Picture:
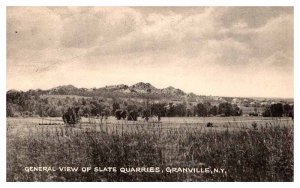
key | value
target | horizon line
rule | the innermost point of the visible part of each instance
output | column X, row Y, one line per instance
column 157, row 88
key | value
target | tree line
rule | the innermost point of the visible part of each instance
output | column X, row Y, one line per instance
column 34, row 104
column 279, row 110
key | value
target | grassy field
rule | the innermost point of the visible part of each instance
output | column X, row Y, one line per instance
column 264, row 153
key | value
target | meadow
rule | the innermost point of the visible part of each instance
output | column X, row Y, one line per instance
column 248, row 148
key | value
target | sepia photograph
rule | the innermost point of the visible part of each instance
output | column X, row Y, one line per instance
column 149, row 94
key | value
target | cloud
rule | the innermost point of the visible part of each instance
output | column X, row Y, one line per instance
column 95, row 27
column 162, row 32
column 232, row 42
column 32, row 28
column 275, row 36
column 210, row 44
column 254, row 17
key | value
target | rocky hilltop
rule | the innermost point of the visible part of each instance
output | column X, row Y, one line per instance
column 138, row 90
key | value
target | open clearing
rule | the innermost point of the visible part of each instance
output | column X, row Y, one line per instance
column 219, row 123
column 264, row 153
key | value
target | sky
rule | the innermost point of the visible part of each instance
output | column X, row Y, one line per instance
column 220, row 51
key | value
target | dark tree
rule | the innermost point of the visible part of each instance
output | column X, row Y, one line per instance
column 180, row 110
column 171, row 110
column 287, row 109
column 275, row 110
column 115, row 106
column 201, row 110
column 132, row 115
column 120, row 114
column 225, row 109
column 214, row 111
column 236, row 111
column 159, row 108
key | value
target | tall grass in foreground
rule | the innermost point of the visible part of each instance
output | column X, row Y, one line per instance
column 265, row 154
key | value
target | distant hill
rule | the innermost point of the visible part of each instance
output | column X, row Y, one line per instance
column 139, row 90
